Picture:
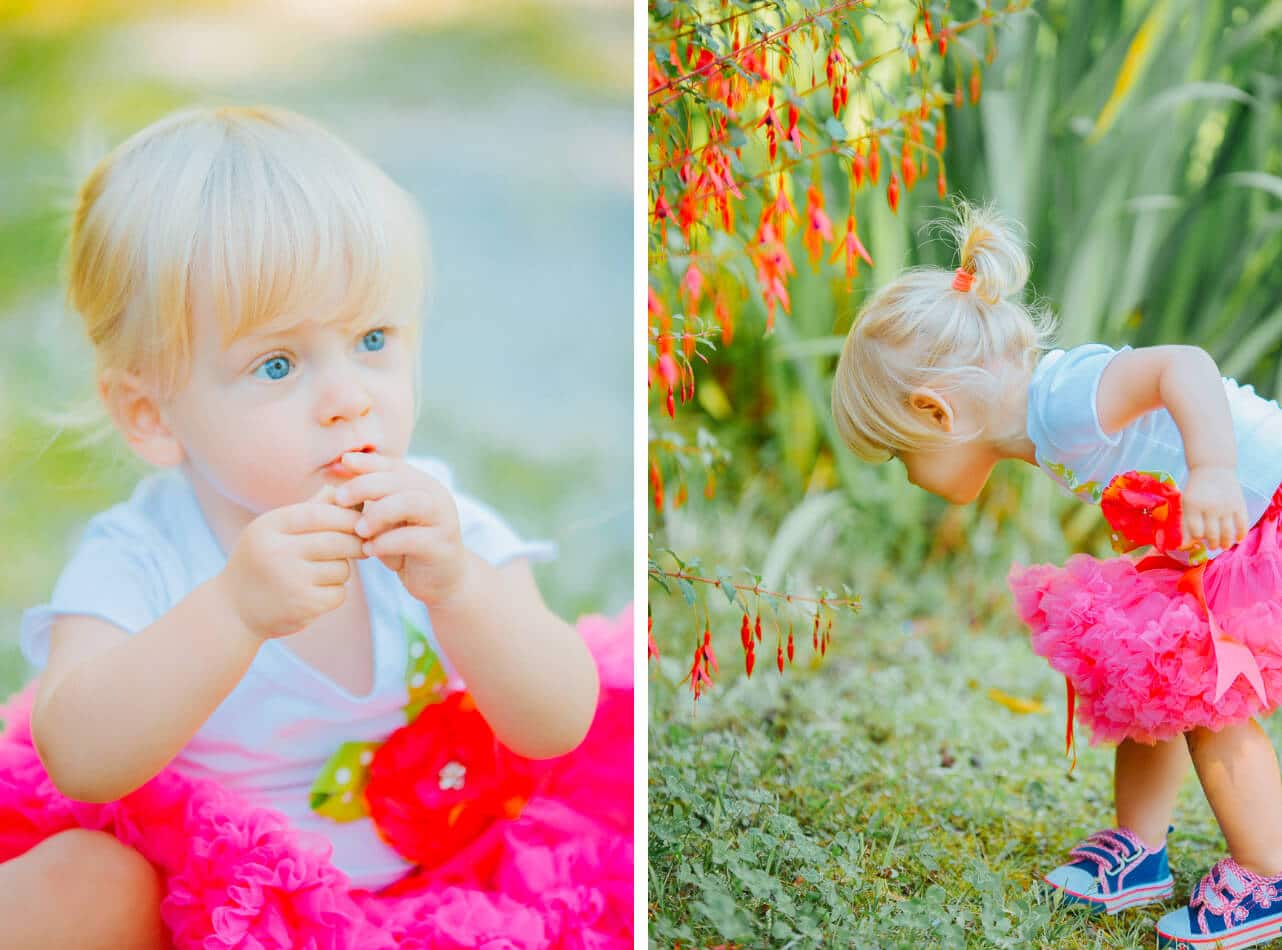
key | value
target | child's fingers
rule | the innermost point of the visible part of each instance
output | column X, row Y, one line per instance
column 1239, row 522
column 331, row 546
column 367, row 462
column 369, row 487
column 1215, row 533
column 413, row 540
column 407, row 507
column 1194, row 526
column 323, row 497
column 330, row 573
column 315, row 515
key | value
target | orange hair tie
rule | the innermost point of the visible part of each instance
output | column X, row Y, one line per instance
column 963, row 280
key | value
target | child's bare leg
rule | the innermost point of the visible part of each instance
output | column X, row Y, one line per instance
column 80, row 889
column 1239, row 773
column 1146, row 781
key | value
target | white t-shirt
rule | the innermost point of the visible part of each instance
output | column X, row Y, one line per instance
column 1063, row 423
column 272, row 735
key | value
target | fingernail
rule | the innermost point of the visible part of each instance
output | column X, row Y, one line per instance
column 361, row 526
column 341, row 496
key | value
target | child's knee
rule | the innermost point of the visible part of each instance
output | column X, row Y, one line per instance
column 84, row 889
column 101, row 877
column 99, row 860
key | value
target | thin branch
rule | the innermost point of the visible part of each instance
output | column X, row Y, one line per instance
column 757, row 589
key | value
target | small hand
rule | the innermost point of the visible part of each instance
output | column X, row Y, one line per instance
column 410, row 523
column 1214, row 510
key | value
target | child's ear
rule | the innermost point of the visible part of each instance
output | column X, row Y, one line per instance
column 932, row 406
column 137, row 414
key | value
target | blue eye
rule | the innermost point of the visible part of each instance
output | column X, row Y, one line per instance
column 277, row 367
column 375, row 339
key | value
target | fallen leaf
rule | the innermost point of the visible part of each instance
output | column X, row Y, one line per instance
column 1015, row 704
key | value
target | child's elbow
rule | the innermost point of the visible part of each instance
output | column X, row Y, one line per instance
column 69, row 771
column 565, row 731
column 71, row 780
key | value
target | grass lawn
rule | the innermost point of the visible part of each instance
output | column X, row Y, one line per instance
column 883, row 797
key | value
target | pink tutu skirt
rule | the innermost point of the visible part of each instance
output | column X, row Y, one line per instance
column 238, row 875
column 1138, row 651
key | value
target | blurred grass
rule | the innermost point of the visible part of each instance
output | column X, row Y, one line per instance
column 74, row 83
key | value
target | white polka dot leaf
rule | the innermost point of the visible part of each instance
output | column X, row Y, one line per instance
column 425, row 676
column 339, row 790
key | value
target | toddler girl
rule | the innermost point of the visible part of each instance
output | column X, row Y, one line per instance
column 1169, row 656
column 251, row 728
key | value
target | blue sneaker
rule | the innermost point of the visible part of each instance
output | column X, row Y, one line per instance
column 1231, row 908
column 1113, row 870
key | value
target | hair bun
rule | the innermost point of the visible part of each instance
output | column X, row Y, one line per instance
column 992, row 250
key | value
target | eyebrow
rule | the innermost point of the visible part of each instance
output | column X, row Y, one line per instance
column 264, row 335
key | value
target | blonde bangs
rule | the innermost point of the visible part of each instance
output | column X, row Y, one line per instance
column 263, row 213
column 297, row 229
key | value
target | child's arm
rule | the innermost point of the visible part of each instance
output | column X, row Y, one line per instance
column 530, row 673
column 1186, row 381
column 114, row 709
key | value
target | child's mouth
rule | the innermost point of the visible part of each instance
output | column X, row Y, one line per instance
column 339, row 470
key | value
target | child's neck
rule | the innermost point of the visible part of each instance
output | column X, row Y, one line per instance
column 225, row 518
column 1010, row 423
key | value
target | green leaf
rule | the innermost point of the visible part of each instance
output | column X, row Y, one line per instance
column 339, row 790
column 688, row 589
column 836, row 129
column 1259, row 180
column 727, row 588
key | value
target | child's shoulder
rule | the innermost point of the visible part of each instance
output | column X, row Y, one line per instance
column 149, row 519
column 1078, row 364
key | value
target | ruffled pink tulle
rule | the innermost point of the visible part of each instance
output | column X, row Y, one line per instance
column 1138, row 651
column 237, row 875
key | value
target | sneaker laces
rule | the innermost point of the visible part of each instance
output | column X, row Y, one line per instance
column 1225, row 888
column 1119, row 846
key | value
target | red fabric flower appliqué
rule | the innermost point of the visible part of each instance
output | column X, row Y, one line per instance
column 1143, row 508
column 437, row 783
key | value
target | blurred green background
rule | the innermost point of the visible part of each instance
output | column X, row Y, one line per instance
column 883, row 796
column 510, row 123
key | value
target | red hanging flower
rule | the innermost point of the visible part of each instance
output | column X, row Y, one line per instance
column 437, row 783
column 1143, row 508
column 852, row 248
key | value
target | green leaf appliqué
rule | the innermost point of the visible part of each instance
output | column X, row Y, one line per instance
column 339, row 791
column 425, row 676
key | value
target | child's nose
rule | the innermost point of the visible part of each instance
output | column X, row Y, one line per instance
column 345, row 398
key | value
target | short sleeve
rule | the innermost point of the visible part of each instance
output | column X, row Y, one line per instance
column 1063, row 415
column 111, row 576
column 484, row 531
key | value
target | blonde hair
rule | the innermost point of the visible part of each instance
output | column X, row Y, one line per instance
column 263, row 210
column 920, row 331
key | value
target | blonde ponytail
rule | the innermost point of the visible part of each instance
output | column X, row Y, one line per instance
column 923, row 330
